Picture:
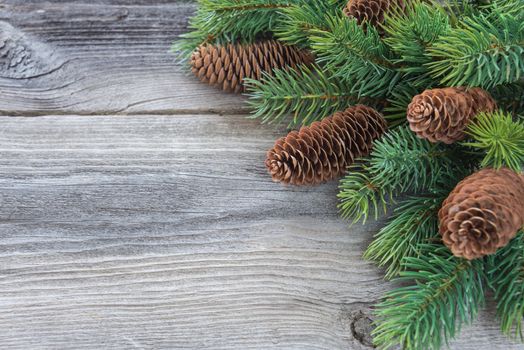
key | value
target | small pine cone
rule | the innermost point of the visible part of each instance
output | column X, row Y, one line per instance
column 483, row 213
column 324, row 150
column 227, row 66
column 443, row 114
column 371, row 11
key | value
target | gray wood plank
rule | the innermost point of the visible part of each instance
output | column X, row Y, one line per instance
column 99, row 57
column 165, row 232
column 159, row 231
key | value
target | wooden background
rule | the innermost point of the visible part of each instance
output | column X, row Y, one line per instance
column 135, row 210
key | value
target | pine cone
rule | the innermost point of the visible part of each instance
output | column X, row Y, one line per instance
column 324, row 150
column 443, row 114
column 371, row 11
column 227, row 66
column 483, row 213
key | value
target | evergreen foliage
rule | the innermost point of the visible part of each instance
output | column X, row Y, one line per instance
column 510, row 97
column 411, row 32
column 430, row 44
column 398, row 101
column 400, row 162
column 424, row 47
column 446, row 293
column 226, row 21
column 501, row 8
column 297, row 22
column 413, row 223
column 507, row 278
column 485, row 51
column 306, row 94
column 360, row 197
column 355, row 54
column 500, row 138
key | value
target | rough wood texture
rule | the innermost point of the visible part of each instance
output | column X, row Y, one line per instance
column 160, row 230
column 110, row 57
column 165, row 232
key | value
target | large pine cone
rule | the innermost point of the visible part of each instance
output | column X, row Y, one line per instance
column 443, row 114
column 371, row 11
column 483, row 213
column 227, row 66
column 324, row 150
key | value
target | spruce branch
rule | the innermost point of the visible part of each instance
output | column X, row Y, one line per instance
column 399, row 162
column 224, row 21
column 446, row 293
column 510, row 97
column 307, row 94
column 241, row 19
column 498, row 8
column 506, row 271
column 412, row 31
column 500, row 139
column 458, row 9
column 480, row 52
column 299, row 20
column 398, row 101
column 413, row 223
column 359, row 197
column 356, row 55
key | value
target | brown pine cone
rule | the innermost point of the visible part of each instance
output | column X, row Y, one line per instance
column 483, row 213
column 371, row 11
column 324, row 150
column 227, row 66
column 443, row 114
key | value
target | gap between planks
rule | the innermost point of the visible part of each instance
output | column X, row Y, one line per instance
column 174, row 113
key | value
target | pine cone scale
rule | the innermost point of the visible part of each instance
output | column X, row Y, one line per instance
column 228, row 66
column 324, row 150
column 483, row 213
column 443, row 114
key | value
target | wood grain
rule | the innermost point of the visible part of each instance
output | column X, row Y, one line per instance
column 165, row 232
column 87, row 57
column 135, row 211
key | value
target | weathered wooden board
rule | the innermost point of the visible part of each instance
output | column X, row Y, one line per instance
column 159, row 229
column 165, row 232
column 108, row 57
